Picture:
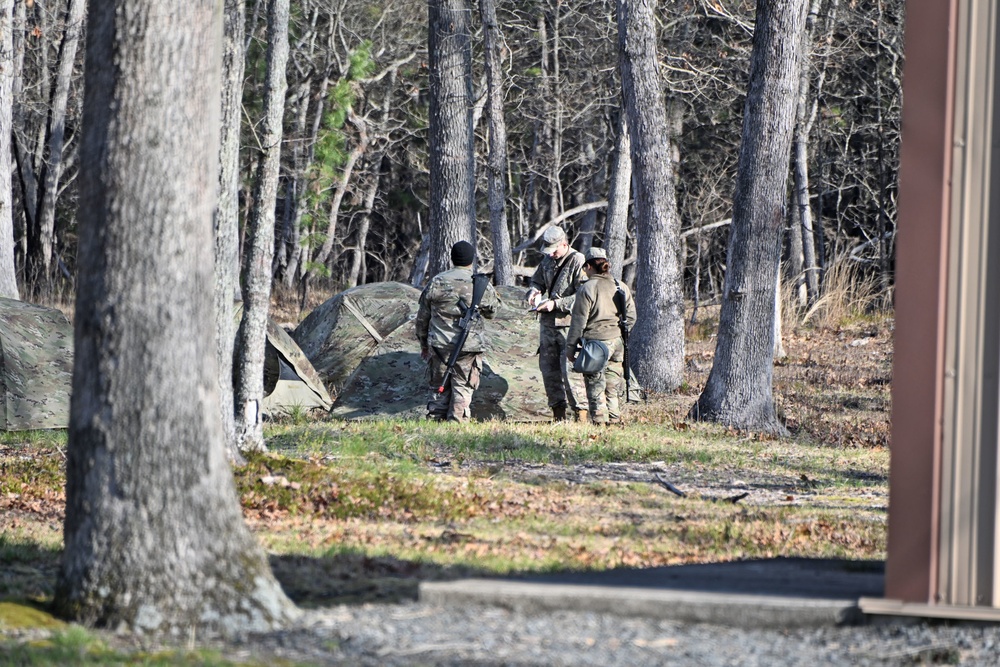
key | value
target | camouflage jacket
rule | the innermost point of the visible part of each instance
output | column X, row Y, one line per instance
column 594, row 312
column 439, row 311
column 558, row 280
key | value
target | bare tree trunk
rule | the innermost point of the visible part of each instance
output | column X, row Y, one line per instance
column 803, row 128
column 56, row 135
column 558, row 205
column 361, row 233
column 22, row 164
column 227, row 216
column 452, row 156
column 795, row 269
column 8, row 272
column 154, row 535
column 619, row 194
column 503, row 262
column 256, row 278
column 323, row 256
column 588, row 189
column 657, row 340
column 739, row 388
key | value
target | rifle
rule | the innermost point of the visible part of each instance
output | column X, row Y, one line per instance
column 470, row 313
column 619, row 300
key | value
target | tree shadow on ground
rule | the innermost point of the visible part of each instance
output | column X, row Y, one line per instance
column 353, row 577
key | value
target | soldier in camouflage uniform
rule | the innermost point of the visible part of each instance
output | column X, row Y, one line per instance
column 442, row 304
column 553, row 287
column 596, row 317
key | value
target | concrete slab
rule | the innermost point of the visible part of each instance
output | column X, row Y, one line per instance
column 780, row 592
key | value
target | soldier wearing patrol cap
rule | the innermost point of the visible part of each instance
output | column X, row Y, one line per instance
column 596, row 317
column 553, row 288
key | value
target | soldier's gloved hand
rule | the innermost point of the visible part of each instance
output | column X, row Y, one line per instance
column 546, row 306
column 534, row 297
column 425, row 353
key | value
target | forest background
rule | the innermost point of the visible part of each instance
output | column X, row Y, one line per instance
column 335, row 161
column 352, row 191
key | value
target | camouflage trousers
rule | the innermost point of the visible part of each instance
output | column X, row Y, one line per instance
column 455, row 402
column 605, row 389
column 561, row 386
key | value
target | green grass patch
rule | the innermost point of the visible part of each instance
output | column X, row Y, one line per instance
column 74, row 647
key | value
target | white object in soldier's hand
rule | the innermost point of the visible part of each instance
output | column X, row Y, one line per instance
column 534, row 298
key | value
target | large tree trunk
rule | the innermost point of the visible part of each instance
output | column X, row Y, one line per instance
column 452, row 157
column 227, row 216
column 56, row 138
column 657, row 341
column 503, row 262
column 256, row 275
column 739, row 391
column 619, row 194
column 154, row 536
column 8, row 274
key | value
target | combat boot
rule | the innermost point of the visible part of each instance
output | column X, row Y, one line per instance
column 582, row 415
column 558, row 413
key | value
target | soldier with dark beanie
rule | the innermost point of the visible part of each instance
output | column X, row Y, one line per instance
column 442, row 304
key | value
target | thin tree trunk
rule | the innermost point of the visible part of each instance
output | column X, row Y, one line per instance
column 56, row 136
column 8, row 273
column 154, row 537
column 503, row 265
column 795, row 270
column 658, row 337
column 256, row 276
column 587, row 194
column 22, row 164
column 739, row 388
column 326, row 250
column 619, row 194
column 361, row 234
column 227, row 216
column 555, row 174
column 803, row 128
column 452, row 156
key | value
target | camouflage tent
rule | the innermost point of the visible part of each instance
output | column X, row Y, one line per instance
column 290, row 381
column 392, row 380
column 337, row 335
column 36, row 366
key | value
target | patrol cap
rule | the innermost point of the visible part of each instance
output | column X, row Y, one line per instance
column 552, row 237
column 596, row 253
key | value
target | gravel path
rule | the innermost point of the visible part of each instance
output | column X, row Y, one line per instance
column 416, row 634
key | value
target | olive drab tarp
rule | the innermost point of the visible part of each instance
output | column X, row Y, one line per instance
column 36, row 366
column 346, row 328
column 290, row 381
column 392, row 380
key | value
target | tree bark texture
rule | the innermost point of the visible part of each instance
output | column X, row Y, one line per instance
column 739, row 387
column 452, row 156
column 154, row 536
column 503, row 263
column 619, row 194
column 657, row 341
column 256, row 276
column 8, row 272
column 56, row 136
column 227, row 215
